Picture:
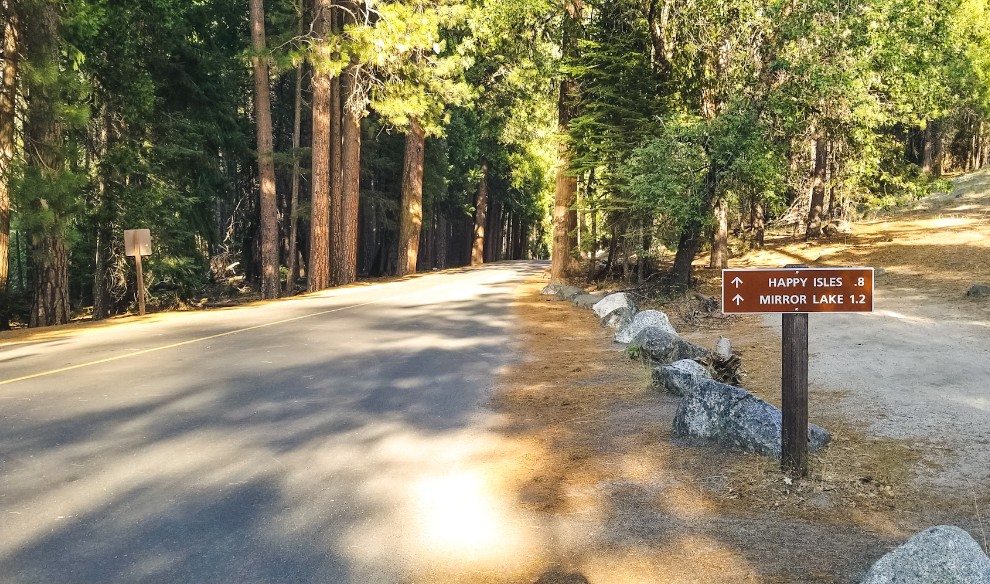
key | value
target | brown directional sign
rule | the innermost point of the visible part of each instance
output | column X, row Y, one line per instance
column 796, row 290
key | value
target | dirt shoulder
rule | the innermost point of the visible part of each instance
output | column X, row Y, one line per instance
column 903, row 391
column 630, row 503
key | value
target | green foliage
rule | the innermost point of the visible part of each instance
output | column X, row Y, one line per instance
column 417, row 63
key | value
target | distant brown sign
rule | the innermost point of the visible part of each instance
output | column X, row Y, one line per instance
column 796, row 290
column 137, row 242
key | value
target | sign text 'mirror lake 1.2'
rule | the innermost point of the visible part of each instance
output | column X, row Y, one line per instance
column 795, row 290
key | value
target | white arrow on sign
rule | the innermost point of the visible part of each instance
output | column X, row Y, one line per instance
column 737, row 280
column 738, row 299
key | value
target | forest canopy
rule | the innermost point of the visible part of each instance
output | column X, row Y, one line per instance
column 281, row 146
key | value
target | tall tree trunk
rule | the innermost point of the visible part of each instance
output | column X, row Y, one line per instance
column 687, row 248
column 491, row 230
column 720, row 236
column 104, row 227
column 928, row 148
column 411, row 209
column 344, row 253
column 293, row 214
column 48, row 249
column 833, row 190
column 443, row 242
column 101, row 276
column 270, row 281
column 593, row 227
column 593, row 255
column 759, row 223
column 817, row 190
column 318, row 266
column 938, row 151
column 564, row 216
column 336, row 165
column 8, row 97
column 480, row 217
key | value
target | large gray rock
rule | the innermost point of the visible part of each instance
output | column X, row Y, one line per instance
column 586, row 300
column 550, row 289
column 680, row 377
column 979, row 291
column 733, row 417
column 642, row 320
column 944, row 554
column 615, row 310
column 568, row 292
column 663, row 347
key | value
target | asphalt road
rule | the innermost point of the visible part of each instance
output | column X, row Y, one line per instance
column 324, row 439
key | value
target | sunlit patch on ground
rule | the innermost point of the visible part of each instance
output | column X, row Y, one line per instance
column 460, row 515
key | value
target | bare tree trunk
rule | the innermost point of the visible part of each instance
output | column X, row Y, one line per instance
column 50, row 302
column 443, row 242
column 318, row 266
column 411, row 209
column 833, row 190
column 720, row 236
column 480, row 217
column 104, row 229
column 8, row 100
column 687, row 248
column 937, row 150
column 593, row 255
column 564, row 217
column 270, row 281
column 817, row 190
column 344, row 264
column 928, row 152
column 759, row 223
column 292, row 253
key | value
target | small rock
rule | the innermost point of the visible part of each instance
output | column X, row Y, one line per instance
column 615, row 310
column 568, row 292
column 550, row 289
column 664, row 347
column 838, row 227
column 945, row 554
column 877, row 272
column 733, row 417
column 680, row 377
column 979, row 291
column 723, row 349
column 642, row 320
column 586, row 300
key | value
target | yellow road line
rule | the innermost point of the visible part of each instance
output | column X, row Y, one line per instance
column 218, row 335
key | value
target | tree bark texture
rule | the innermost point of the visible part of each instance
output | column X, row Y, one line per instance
column 48, row 249
column 816, row 209
column 480, row 217
column 293, row 212
column 270, row 281
column 344, row 256
column 8, row 96
column 687, row 248
column 562, row 261
column 318, row 266
column 411, row 210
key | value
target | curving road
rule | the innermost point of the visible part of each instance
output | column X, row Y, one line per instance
column 325, row 439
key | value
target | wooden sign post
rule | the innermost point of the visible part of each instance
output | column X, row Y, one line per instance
column 137, row 243
column 793, row 292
